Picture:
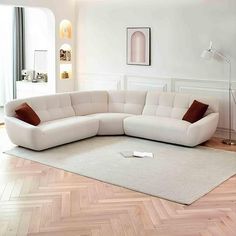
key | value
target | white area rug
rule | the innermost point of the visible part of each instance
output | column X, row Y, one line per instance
column 175, row 173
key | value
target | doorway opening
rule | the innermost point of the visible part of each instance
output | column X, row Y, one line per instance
column 27, row 46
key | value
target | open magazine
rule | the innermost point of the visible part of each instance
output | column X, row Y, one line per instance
column 137, row 154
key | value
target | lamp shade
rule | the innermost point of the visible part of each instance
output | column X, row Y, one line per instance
column 207, row 54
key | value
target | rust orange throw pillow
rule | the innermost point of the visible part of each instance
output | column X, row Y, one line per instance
column 25, row 113
column 195, row 112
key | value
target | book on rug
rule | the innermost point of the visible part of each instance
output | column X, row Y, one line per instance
column 142, row 154
column 136, row 154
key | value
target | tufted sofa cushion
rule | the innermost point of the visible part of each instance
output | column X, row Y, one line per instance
column 131, row 102
column 86, row 103
column 173, row 105
column 50, row 107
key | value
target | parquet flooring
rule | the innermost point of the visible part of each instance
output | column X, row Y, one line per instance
column 39, row 200
column 217, row 143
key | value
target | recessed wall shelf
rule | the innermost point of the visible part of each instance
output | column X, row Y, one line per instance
column 65, row 29
column 65, row 53
column 65, row 71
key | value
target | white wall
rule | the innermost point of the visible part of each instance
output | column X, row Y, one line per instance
column 180, row 31
column 60, row 10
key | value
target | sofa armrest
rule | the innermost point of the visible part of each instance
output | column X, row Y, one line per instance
column 203, row 130
column 20, row 132
column 18, row 122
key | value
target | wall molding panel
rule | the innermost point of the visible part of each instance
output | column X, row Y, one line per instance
column 88, row 81
column 147, row 83
column 213, row 88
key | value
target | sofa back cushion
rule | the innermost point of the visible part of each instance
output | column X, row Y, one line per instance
column 174, row 105
column 50, row 107
column 131, row 102
column 89, row 102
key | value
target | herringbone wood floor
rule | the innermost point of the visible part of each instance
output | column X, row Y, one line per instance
column 39, row 200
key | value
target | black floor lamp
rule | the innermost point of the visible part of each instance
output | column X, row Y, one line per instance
column 208, row 54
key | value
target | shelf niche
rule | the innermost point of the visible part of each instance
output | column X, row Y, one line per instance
column 65, row 29
column 65, row 71
column 65, row 53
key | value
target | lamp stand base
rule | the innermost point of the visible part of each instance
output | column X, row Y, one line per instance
column 229, row 142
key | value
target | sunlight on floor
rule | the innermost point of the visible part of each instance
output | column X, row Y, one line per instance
column 5, row 142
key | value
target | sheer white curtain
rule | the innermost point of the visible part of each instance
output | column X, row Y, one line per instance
column 6, row 54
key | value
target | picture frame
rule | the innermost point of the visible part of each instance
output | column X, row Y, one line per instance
column 138, row 49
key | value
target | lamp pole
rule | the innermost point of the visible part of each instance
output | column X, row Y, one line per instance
column 208, row 54
column 229, row 141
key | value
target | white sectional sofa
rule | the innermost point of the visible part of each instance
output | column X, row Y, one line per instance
column 74, row 116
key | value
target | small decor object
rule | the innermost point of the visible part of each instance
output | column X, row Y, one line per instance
column 195, row 112
column 65, row 55
column 41, row 77
column 139, row 46
column 68, row 55
column 65, row 75
column 25, row 113
column 62, row 55
column 208, row 54
column 28, row 75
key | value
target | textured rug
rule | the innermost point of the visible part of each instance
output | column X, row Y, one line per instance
column 175, row 173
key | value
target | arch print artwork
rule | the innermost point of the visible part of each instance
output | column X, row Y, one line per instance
column 139, row 46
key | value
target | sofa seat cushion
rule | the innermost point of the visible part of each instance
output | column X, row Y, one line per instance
column 110, row 123
column 57, row 132
column 157, row 128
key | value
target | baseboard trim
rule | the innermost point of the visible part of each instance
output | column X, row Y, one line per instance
column 223, row 133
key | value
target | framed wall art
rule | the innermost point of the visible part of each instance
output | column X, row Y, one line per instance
column 139, row 46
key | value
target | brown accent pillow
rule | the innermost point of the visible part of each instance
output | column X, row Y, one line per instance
column 25, row 113
column 195, row 112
